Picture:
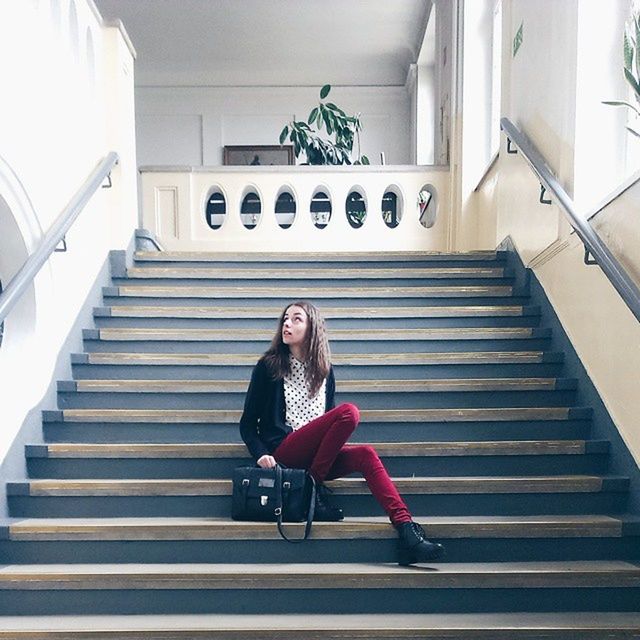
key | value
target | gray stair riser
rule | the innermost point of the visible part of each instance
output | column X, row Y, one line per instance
column 603, row 502
column 115, row 322
column 286, row 298
column 397, row 466
column 258, row 347
column 460, row 549
column 370, row 432
column 380, row 400
column 272, row 283
column 355, row 600
column 373, row 372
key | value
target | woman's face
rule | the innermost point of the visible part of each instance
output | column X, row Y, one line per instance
column 295, row 325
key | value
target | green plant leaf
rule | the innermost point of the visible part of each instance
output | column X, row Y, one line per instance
column 628, row 52
column 313, row 115
column 621, row 103
column 324, row 92
column 283, row 134
column 632, row 81
column 365, row 160
column 635, row 133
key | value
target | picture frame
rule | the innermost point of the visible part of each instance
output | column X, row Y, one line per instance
column 258, row 155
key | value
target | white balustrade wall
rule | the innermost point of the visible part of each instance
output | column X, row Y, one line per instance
column 174, row 201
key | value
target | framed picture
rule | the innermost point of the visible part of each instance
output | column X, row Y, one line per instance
column 258, row 155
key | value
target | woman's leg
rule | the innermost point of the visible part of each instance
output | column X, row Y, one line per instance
column 364, row 459
column 316, row 445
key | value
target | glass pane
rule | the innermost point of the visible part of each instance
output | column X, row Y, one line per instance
column 285, row 209
column 250, row 210
column 216, row 210
column 356, row 209
column 320, row 209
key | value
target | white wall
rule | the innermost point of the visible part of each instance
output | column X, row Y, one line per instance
column 191, row 125
column 569, row 61
column 67, row 101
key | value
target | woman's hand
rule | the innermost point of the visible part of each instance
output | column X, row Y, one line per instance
column 267, row 462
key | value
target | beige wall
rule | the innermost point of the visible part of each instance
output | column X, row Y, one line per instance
column 552, row 90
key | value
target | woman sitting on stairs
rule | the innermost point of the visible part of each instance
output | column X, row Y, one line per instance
column 290, row 418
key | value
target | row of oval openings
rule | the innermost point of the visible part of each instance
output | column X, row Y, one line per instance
column 321, row 209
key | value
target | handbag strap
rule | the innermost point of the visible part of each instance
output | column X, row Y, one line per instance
column 279, row 502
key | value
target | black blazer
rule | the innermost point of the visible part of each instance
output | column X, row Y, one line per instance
column 262, row 425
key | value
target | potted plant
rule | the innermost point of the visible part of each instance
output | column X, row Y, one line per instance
column 343, row 131
column 631, row 67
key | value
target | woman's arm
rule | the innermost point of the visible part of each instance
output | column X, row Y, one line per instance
column 253, row 408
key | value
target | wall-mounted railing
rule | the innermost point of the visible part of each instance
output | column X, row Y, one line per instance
column 302, row 208
column 594, row 246
column 23, row 279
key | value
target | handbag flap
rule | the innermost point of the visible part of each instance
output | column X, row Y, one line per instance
column 257, row 481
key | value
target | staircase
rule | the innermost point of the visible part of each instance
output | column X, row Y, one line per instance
column 122, row 528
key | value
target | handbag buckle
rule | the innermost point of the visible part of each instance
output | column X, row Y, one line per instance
column 277, row 511
column 245, row 482
column 286, row 485
column 264, row 500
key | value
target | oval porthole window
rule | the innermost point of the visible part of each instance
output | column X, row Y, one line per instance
column 356, row 209
column 320, row 209
column 391, row 209
column 250, row 210
column 427, row 206
column 285, row 209
column 216, row 210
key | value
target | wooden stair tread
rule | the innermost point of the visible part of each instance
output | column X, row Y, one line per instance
column 355, row 359
column 378, row 527
column 357, row 386
column 311, row 274
column 231, row 416
column 328, row 312
column 447, row 485
column 576, row 574
column 313, row 256
column 389, row 449
column 330, row 626
column 338, row 335
column 460, row 291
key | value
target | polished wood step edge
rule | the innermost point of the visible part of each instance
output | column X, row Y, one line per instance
column 385, row 449
column 352, row 576
column 357, row 359
column 328, row 312
column 206, row 416
column 42, row 529
column 339, row 335
column 437, row 385
column 345, row 486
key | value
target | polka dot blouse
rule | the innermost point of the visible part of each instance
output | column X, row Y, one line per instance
column 302, row 409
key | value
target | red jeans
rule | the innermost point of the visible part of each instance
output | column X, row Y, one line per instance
column 319, row 447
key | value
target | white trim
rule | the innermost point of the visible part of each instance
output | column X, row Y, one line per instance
column 360, row 168
column 615, row 194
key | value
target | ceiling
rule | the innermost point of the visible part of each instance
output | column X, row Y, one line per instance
column 272, row 42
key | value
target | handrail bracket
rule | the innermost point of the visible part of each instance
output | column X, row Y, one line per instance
column 510, row 149
column 544, row 200
column 588, row 259
column 62, row 249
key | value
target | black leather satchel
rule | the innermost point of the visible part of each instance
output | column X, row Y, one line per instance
column 274, row 495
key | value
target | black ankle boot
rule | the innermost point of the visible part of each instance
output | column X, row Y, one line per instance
column 413, row 545
column 324, row 511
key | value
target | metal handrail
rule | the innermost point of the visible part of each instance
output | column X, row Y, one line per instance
column 593, row 244
column 22, row 280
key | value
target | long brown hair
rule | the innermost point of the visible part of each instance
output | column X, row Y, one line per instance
column 318, row 355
